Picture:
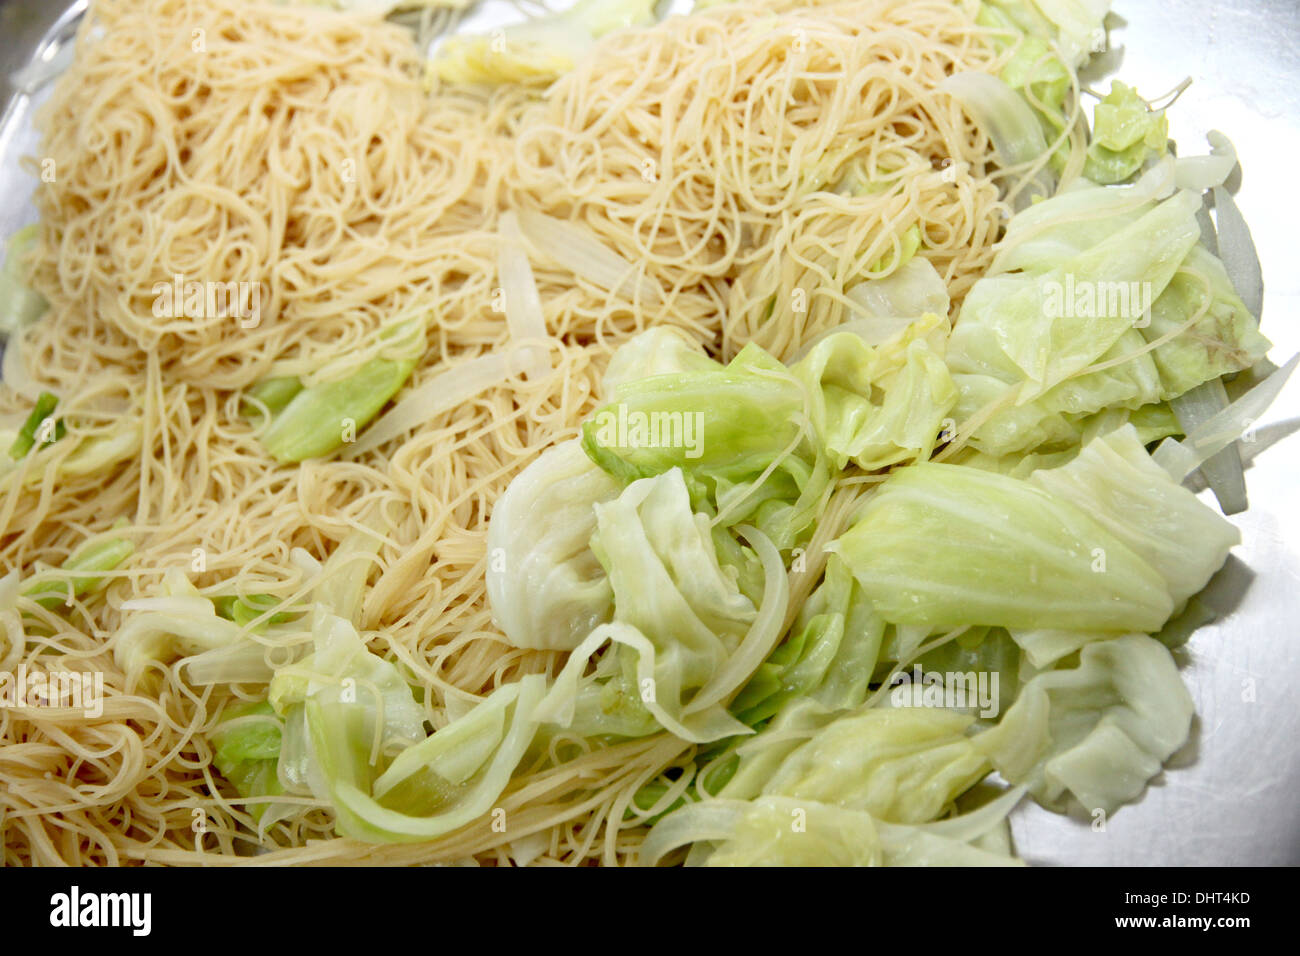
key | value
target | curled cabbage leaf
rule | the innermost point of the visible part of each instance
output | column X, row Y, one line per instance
column 686, row 637
column 546, row 587
column 883, row 405
column 1097, row 732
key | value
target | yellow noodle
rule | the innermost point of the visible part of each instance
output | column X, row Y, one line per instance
column 297, row 148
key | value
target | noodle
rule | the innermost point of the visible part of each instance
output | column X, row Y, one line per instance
column 296, row 151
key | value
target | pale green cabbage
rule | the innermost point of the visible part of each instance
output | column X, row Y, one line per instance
column 1096, row 732
column 946, row 546
column 686, row 635
column 546, row 586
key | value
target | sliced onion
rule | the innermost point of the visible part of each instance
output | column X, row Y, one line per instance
column 1209, row 235
column 1009, row 122
column 693, row 823
column 526, row 849
column 1222, row 470
column 1180, row 459
column 579, row 250
column 875, row 330
column 1206, row 172
column 1237, row 250
column 763, row 635
column 441, row 393
column 242, row 663
column 524, row 315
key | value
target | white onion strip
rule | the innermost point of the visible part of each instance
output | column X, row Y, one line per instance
column 578, row 249
column 441, row 393
column 1180, row 459
column 523, row 305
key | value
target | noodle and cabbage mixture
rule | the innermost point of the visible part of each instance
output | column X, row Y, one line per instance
column 563, row 446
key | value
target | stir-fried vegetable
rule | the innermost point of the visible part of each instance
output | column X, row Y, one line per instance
column 20, row 305
column 794, row 571
column 320, row 419
column 538, row 49
column 82, row 571
column 40, row 426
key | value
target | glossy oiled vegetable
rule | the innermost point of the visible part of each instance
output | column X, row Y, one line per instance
column 320, row 419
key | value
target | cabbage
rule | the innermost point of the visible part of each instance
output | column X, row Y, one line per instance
column 546, row 587
column 844, row 375
column 342, row 670
column 179, row 623
column 246, row 749
column 947, row 546
column 1126, row 134
column 1029, row 331
column 86, row 454
column 911, row 290
column 728, row 422
column 975, row 652
column 660, row 350
column 20, row 305
column 454, row 777
column 1097, row 732
column 83, row 571
column 828, row 657
column 1048, row 42
column 747, row 763
column 903, row 765
column 1074, row 26
column 1028, row 383
column 1076, row 219
column 1224, row 340
column 781, row 831
column 321, row 419
column 1114, row 480
column 739, row 434
column 354, row 735
column 538, row 49
column 686, row 636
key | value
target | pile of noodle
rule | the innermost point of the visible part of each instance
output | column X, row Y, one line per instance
column 299, row 148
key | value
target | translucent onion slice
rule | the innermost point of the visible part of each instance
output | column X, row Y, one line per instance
column 242, row 663
column 579, row 250
column 1206, row 172
column 1222, row 470
column 523, row 304
column 1009, row 122
column 1237, row 250
column 1219, row 431
column 441, row 393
